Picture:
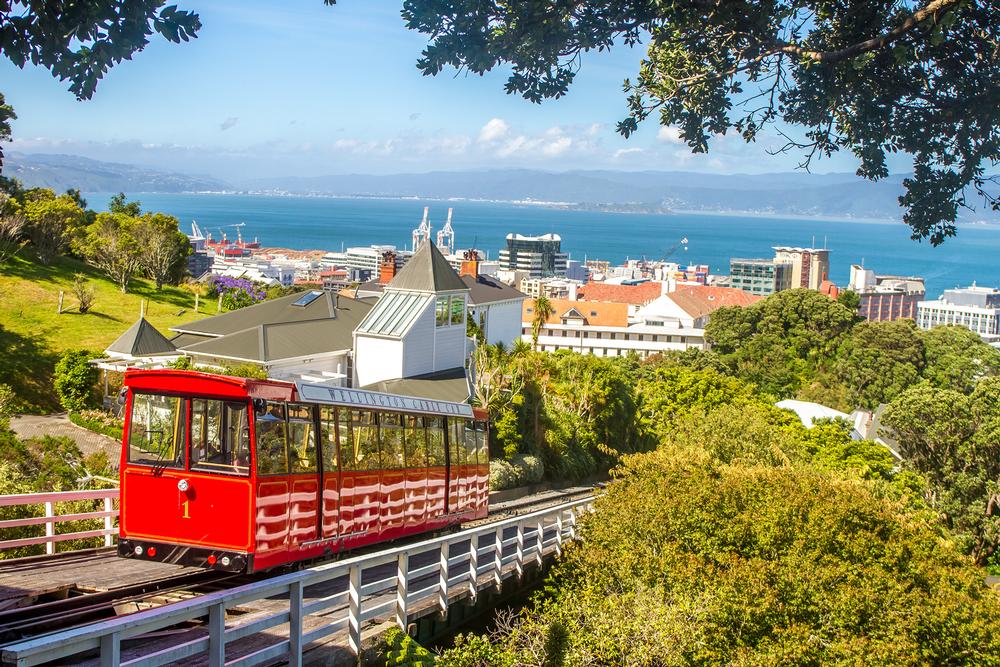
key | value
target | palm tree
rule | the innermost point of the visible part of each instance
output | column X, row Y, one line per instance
column 543, row 308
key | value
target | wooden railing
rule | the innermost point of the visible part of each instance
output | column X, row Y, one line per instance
column 458, row 565
column 45, row 506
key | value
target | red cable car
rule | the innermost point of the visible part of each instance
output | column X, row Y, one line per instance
column 244, row 475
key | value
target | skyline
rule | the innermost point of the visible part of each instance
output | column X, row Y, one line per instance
column 261, row 93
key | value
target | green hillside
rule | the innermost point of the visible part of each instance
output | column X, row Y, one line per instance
column 32, row 334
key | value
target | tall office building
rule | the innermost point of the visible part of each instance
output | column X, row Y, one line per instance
column 540, row 256
column 975, row 308
column 810, row 266
column 759, row 276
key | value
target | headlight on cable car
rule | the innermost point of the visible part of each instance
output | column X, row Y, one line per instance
column 183, row 485
column 137, row 551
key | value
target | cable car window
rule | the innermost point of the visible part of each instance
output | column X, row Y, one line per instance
column 365, row 428
column 220, row 436
column 272, row 457
column 391, row 437
column 156, row 431
column 482, row 440
column 301, row 438
column 328, row 433
column 414, row 441
column 345, row 435
column 470, row 442
column 456, row 450
column 435, row 440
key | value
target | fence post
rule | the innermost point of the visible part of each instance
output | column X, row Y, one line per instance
column 539, row 543
column 559, row 533
column 498, row 558
column 354, row 611
column 402, row 572
column 111, row 650
column 50, row 529
column 474, row 566
column 572, row 523
column 519, row 561
column 217, row 635
column 295, row 624
column 443, row 578
column 109, row 521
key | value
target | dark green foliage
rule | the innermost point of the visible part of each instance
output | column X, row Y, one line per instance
column 879, row 360
column 74, row 379
column 873, row 78
column 953, row 440
column 957, row 358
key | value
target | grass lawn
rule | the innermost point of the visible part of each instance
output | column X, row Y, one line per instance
column 32, row 333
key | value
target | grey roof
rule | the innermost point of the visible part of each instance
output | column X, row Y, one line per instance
column 427, row 271
column 185, row 339
column 450, row 385
column 394, row 313
column 484, row 289
column 142, row 340
column 271, row 341
column 267, row 312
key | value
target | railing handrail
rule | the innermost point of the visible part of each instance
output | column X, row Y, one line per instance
column 107, row 635
column 57, row 497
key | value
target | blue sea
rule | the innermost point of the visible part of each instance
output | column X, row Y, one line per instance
column 304, row 223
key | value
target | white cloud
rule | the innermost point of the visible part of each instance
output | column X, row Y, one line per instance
column 670, row 134
column 625, row 152
column 494, row 130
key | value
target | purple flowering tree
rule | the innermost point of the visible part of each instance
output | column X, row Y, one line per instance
column 237, row 292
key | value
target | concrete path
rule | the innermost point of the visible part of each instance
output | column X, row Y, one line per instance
column 33, row 426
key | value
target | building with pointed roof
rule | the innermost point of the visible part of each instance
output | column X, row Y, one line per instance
column 141, row 340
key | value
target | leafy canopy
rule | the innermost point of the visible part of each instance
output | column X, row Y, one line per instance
column 871, row 77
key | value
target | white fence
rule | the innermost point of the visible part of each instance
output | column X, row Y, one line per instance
column 46, row 504
column 395, row 595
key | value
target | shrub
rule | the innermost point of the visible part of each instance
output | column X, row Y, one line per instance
column 237, row 292
column 74, row 379
column 398, row 648
column 502, row 475
column 83, row 292
column 8, row 405
column 529, row 469
column 98, row 421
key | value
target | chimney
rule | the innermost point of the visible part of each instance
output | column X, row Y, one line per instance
column 470, row 264
column 387, row 267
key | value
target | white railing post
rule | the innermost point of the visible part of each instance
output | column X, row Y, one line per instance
column 559, row 533
column 519, row 560
column 109, row 521
column 402, row 573
column 217, row 635
column 354, row 611
column 295, row 624
column 50, row 528
column 443, row 578
column 474, row 565
column 539, row 541
column 111, row 650
column 498, row 558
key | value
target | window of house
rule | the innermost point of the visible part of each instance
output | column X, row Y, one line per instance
column 220, row 436
column 441, row 311
column 156, row 431
column 272, row 457
column 301, row 439
column 457, row 310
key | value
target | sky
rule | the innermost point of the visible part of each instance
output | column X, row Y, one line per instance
column 297, row 88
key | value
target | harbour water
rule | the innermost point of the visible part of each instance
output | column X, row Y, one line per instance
column 331, row 223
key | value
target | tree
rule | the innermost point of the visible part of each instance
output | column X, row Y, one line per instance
column 110, row 244
column 957, row 358
column 119, row 203
column 868, row 77
column 11, row 235
column 953, row 440
column 74, row 379
column 52, row 222
column 165, row 248
column 81, row 41
column 237, row 292
column 850, row 300
column 543, row 309
column 880, row 360
column 83, row 292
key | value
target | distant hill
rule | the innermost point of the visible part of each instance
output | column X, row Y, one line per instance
column 61, row 172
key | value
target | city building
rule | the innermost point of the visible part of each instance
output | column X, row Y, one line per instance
column 540, row 256
column 494, row 306
column 975, row 308
column 759, row 276
column 689, row 307
column 603, row 329
column 886, row 298
column 810, row 266
column 362, row 263
column 552, row 288
column 577, row 271
column 635, row 296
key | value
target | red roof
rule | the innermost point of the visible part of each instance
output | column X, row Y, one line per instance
column 636, row 295
column 698, row 300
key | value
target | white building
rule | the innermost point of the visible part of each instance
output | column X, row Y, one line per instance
column 417, row 327
column 975, row 308
column 364, row 262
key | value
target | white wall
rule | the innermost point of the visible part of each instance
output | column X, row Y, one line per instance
column 418, row 355
column 503, row 321
column 377, row 359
